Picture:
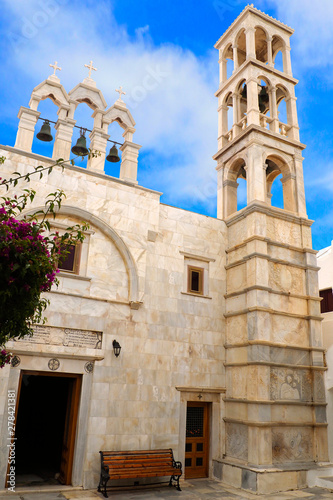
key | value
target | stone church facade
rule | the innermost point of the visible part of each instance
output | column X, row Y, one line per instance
column 218, row 319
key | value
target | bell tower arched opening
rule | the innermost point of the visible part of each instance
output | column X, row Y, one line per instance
column 240, row 44
column 49, row 109
column 261, row 44
column 278, row 169
column 278, row 49
column 235, row 187
column 83, row 116
column 264, row 102
column 227, row 63
column 284, row 111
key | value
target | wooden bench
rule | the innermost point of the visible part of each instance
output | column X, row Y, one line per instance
column 138, row 464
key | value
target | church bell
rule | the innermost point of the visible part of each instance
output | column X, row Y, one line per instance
column 113, row 155
column 45, row 132
column 263, row 99
column 80, row 148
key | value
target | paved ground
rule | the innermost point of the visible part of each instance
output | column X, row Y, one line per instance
column 198, row 489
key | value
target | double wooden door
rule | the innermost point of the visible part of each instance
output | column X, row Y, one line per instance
column 197, row 440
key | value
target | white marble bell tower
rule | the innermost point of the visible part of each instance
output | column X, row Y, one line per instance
column 275, row 417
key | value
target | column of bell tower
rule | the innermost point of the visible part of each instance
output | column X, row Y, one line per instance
column 275, row 409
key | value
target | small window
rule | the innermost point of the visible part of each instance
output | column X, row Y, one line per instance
column 195, row 280
column 71, row 261
column 326, row 304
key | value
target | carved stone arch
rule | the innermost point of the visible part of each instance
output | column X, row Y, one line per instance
column 234, row 169
column 277, row 44
column 52, row 90
column 240, row 43
column 261, row 43
column 119, row 243
column 120, row 114
column 284, row 163
column 234, row 166
column 90, row 95
column 266, row 80
column 88, row 101
column 227, row 99
column 283, row 90
column 278, row 163
column 227, row 52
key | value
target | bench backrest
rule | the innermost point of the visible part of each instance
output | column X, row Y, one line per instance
column 159, row 459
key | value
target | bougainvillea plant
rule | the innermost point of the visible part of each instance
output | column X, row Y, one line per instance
column 29, row 255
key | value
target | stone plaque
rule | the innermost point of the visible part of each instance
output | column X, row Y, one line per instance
column 292, row 385
column 41, row 335
column 292, row 444
column 65, row 336
column 82, row 338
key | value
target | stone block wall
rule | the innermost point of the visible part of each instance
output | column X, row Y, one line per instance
column 132, row 287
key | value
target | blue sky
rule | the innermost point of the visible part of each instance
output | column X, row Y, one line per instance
column 176, row 120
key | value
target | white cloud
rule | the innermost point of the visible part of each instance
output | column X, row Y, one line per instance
column 312, row 22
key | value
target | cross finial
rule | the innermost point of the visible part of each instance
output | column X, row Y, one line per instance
column 91, row 68
column 120, row 90
column 56, row 67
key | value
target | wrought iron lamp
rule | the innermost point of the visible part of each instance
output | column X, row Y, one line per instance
column 116, row 348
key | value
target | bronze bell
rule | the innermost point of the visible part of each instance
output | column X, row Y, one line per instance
column 113, row 155
column 80, row 148
column 45, row 132
column 244, row 92
column 263, row 99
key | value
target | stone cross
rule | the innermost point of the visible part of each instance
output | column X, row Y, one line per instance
column 120, row 90
column 91, row 68
column 56, row 67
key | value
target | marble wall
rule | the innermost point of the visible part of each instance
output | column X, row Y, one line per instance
column 132, row 287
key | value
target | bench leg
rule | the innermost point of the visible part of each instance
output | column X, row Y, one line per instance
column 173, row 478
column 102, row 486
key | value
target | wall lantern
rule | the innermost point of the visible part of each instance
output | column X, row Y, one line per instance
column 116, row 348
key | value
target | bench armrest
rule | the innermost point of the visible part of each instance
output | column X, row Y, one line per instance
column 176, row 465
column 105, row 471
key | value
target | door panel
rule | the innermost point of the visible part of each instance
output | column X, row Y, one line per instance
column 66, row 465
column 197, row 440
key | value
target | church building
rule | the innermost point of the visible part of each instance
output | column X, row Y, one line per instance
column 172, row 329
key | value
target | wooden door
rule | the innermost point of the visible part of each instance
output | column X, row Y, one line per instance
column 66, row 464
column 197, row 440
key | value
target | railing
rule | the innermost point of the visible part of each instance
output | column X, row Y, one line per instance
column 264, row 121
column 284, row 128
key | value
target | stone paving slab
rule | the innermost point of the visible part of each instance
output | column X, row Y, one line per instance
column 198, row 489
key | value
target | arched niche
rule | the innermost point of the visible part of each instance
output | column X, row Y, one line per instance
column 84, row 215
column 261, row 45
